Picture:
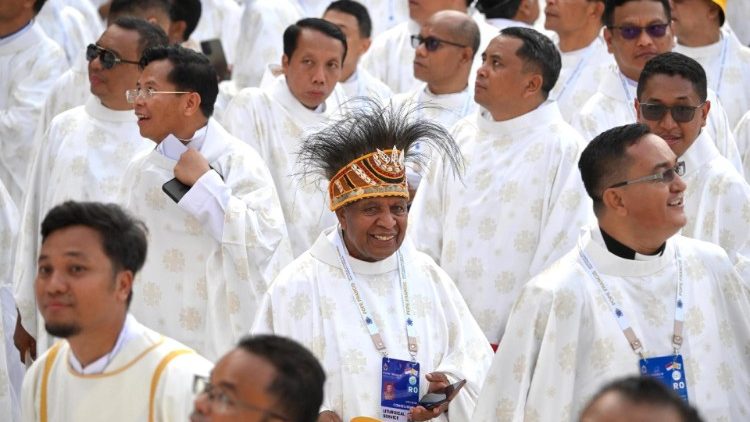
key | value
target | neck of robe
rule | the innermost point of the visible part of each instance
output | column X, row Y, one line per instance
column 188, row 129
column 15, row 24
column 577, row 40
column 451, row 86
column 91, row 345
column 628, row 241
column 623, row 251
column 521, row 108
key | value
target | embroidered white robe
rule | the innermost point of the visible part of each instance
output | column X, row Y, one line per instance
column 742, row 135
column 69, row 27
column 362, row 84
column 517, row 209
column 220, row 19
column 202, row 291
column 11, row 369
column 29, row 65
column 613, row 105
column 563, row 343
column 311, row 302
column 446, row 109
column 69, row 90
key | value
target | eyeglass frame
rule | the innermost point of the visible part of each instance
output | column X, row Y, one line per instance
column 423, row 40
column 101, row 51
column 202, row 385
column 678, row 170
column 640, row 29
column 671, row 111
column 136, row 93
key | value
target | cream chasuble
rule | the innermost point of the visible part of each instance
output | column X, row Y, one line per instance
column 727, row 66
column 614, row 105
column 518, row 208
column 202, row 291
column 70, row 90
column 82, row 157
column 149, row 379
column 742, row 134
column 311, row 302
column 11, row 369
column 363, row 84
column 274, row 122
column 29, row 64
column 717, row 199
column 563, row 342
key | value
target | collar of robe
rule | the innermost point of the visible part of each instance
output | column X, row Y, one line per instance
column 97, row 110
column 546, row 114
column 623, row 251
column 28, row 37
column 699, row 154
column 324, row 249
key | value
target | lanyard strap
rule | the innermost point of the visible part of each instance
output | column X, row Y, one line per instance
column 631, row 102
column 722, row 62
column 372, row 327
column 576, row 72
column 619, row 314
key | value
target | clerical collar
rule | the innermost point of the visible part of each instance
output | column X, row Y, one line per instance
column 172, row 147
column 615, row 247
column 14, row 35
column 129, row 330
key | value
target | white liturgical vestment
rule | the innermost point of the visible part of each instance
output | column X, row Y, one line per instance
column 274, row 122
column 727, row 66
column 149, row 378
column 614, row 105
column 11, row 369
column 742, row 135
column 446, row 109
column 738, row 12
column 362, row 84
column 717, row 199
column 204, row 278
column 311, row 302
column 518, row 208
column 69, row 27
column 29, row 64
column 69, row 90
column 82, row 157
column 563, row 342
column 220, row 19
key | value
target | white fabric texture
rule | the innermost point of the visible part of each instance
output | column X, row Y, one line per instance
column 220, row 19
column 363, row 84
column 11, row 369
column 742, row 135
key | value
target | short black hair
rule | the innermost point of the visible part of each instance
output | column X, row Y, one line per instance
column 188, row 11
column 149, row 35
column 291, row 34
column 608, row 17
column 299, row 376
column 499, row 9
column 358, row 11
column 136, row 8
column 605, row 160
column 191, row 71
column 648, row 390
column 538, row 53
column 675, row 64
column 123, row 237
column 38, row 4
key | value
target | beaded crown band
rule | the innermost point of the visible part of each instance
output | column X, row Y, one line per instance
column 378, row 174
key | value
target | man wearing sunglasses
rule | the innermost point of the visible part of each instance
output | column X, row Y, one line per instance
column 632, row 297
column 698, row 27
column 636, row 31
column 672, row 103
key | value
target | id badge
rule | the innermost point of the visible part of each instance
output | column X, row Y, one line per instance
column 668, row 369
column 399, row 388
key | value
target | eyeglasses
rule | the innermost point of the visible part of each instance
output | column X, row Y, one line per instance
column 431, row 43
column 221, row 403
column 631, row 32
column 680, row 113
column 665, row 176
column 132, row 95
column 106, row 57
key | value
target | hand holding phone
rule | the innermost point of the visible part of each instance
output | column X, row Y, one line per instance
column 437, row 398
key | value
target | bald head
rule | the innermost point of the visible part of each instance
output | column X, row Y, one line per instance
column 460, row 26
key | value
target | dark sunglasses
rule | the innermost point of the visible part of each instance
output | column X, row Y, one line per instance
column 631, row 32
column 680, row 113
column 431, row 43
column 106, row 57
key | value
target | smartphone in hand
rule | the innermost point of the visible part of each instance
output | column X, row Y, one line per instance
column 432, row 400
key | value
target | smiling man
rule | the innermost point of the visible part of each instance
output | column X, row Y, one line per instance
column 672, row 103
column 362, row 291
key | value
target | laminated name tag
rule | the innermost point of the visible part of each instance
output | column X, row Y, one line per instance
column 399, row 390
column 668, row 369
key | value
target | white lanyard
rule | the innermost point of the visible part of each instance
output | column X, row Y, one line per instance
column 722, row 62
column 619, row 314
column 576, row 72
column 631, row 105
column 372, row 327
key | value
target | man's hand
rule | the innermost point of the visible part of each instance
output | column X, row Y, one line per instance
column 438, row 382
column 24, row 341
column 191, row 166
column 328, row 416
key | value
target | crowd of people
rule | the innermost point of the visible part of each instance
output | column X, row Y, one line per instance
column 305, row 210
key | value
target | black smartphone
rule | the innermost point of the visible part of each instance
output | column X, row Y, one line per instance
column 215, row 53
column 432, row 400
column 175, row 189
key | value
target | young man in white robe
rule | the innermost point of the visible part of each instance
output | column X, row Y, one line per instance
column 631, row 295
column 107, row 366
column 522, row 202
column 697, row 26
column 209, row 199
column 671, row 101
column 636, row 31
column 273, row 120
column 83, row 155
column 354, row 21
column 578, row 24
column 29, row 64
column 11, row 368
column 410, row 309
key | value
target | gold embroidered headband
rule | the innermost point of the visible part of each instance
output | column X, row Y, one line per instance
column 378, row 174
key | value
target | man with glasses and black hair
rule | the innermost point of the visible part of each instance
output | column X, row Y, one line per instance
column 636, row 31
column 671, row 101
column 108, row 366
column 29, row 62
column 265, row 378
column 209, row 199
column 82, row 156
column 632, row 297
